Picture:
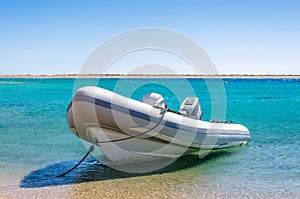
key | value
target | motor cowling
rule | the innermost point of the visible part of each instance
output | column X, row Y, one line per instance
column 155, row 100
column 191, row 107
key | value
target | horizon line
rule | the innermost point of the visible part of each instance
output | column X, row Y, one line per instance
column 261, row 76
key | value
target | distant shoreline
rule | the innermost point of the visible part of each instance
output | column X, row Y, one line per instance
column 57, row 76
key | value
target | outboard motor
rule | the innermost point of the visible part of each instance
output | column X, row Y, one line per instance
column 191, row 108
column 155, row 100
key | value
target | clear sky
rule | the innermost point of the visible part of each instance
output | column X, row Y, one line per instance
column 241, row 37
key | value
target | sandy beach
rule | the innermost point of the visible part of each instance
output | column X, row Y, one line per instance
column 263, row 76
column 185, row 183
column 167, row 185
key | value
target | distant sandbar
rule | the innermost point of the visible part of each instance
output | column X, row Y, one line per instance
column 151, row 76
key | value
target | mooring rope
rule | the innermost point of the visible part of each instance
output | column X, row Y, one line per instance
column 92, row 147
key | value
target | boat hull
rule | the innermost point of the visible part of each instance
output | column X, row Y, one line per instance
column 127, row 130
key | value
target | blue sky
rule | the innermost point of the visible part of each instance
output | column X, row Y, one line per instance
column 241, row 37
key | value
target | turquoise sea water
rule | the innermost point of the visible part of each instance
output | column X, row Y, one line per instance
column 36, row 143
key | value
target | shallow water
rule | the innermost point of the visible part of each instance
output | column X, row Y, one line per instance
column 37, row 144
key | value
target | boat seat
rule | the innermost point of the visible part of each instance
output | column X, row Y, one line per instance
column 191, row 108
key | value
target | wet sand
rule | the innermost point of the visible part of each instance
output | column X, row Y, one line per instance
column 166, row 185
column 153, row 186
column 189, row 177
column 182, row 179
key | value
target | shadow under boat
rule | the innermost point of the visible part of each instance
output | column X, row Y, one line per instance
column 93, row 170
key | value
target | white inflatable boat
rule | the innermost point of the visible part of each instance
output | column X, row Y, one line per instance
column 127, row 130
